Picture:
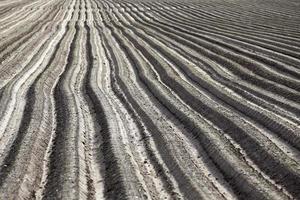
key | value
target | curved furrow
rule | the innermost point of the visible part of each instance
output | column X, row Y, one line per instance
column 235, row 16
column 267, row 40
column 252, row 112
column 127, row 50
column 8, row 37
column 168, row 44
column 147, row 99
column 68, row 143
column 245, row 76
column 11, row 103
column 31, row 15
column 249, row 15
column 201, row 60
column 196, row 109
column 253, row 67
column 15, row 176
column 224, row 25
column 223, row 77
column 162, row 181
column 177, row 174
column 238, row 26
column 8, row 67
column 19, row 9
column 150, row 182
column 251, row 6
column 182, row 64
column 14, row 64
column 5, row 12
column 244, row 42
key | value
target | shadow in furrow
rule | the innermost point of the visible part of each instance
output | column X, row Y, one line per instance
column 113, row 183
column 10, row 159
column 159, row 169
column 260, row 156
column 272, row 167
column 184, row 183
column 25, row 36
column 57, row 164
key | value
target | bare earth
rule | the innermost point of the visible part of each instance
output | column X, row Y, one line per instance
column 149, row 99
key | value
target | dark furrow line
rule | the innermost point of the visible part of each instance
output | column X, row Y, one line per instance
column 243, row 42
column 5, row 10
column 3, row 88
column 262, row 19
column 237, row 15
column 241, row 9
column 236, row 24
column 286, row 177
column 90, row 182
column 211, row 24
column 57, row 157
column 12, row 8
column 37, row 22
column 1, row 92
column 29, row 14
column 219, row 14
column 184, row 184
column 210, row 148
column 10, row 159
column 189, row 73
column 240, row 89
column 226, row 51
column 159, row 169
column 229, row 64
column 251, row 6
column 272, row 125
column 25, row 36
column 113, row 183
column 279, row 10
column 163, row 48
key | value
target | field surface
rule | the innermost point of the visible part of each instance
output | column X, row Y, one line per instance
column 150, row 99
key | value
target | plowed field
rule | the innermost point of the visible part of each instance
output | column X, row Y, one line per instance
column 145, row 99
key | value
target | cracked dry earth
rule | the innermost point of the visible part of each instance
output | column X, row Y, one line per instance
column 145, row 99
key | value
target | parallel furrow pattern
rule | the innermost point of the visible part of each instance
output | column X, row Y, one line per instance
column 146, row 99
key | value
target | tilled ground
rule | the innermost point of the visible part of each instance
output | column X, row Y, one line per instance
column 149, row 99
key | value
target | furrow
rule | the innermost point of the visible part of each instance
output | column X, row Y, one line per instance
column 156, row 64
